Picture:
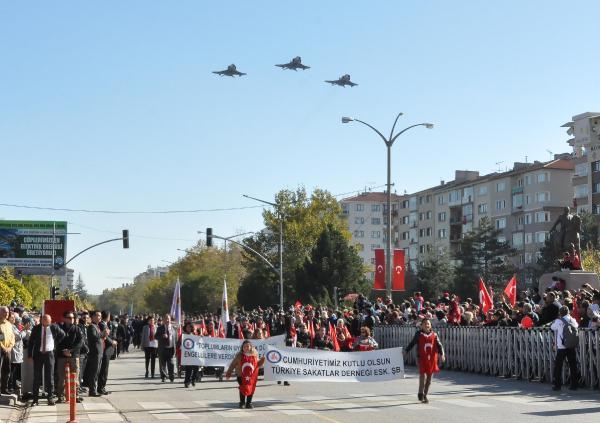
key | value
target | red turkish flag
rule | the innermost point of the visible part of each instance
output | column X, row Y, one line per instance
column 511, row 290
column 333, row 336
column 379, row 269
column 398, row 271
column 485, row 301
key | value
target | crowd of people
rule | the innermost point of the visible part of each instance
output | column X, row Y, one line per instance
column 35, row 350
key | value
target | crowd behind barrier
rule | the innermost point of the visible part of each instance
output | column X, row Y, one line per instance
column 502, row 351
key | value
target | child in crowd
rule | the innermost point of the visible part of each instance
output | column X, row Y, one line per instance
column 246, row 364
column 428, row 348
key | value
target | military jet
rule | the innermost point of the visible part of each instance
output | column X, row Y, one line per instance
column 230, row 71
column 295, row 64
column 342, row 81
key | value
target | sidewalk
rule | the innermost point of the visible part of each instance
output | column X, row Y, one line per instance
column 9, row 409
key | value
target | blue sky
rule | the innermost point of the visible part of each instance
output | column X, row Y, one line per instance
column 112, row 105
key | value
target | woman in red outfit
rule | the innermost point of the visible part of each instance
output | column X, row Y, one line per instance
column 428, row 348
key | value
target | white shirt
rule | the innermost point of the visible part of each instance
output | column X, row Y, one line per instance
column 49, row 339
column 170, row 330
column 557, row 328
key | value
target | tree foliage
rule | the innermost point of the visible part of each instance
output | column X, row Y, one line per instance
column 435, row 275
column 20, row 294
column 39, row 288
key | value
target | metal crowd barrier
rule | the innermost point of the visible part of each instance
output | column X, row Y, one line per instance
column 499, row 351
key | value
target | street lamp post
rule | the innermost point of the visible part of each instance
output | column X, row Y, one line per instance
column 280, row 216
column 388, row 142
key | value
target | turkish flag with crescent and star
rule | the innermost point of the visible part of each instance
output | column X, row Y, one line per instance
column 485, row 301
column 511, row 291
column 379, row 269
column 398, row 271
column 249, row 376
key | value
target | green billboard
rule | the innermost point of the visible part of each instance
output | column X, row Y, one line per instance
column 33, row 247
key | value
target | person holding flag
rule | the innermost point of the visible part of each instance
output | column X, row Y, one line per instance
column 485, row 300
column 246, row 364
column 510, row 292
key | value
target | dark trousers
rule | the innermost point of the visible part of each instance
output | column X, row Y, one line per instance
column 191, row 373
column 15, row 375
column 82, row 366
column 92, row 369
column 165, row 363
column 243, row 398
column 4, row 370
column 103, row 374
column 571, row 356
column 43, row 362
column 150, row 355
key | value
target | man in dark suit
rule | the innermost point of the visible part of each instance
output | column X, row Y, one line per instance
column 83, row 352
column 94, row 358
column 110, row 344
column 68, row 352
column 44, row 339
column 167, row 339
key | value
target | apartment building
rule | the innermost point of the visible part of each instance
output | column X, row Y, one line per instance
column 584, row 130
column 366, row 215
column 522, row 203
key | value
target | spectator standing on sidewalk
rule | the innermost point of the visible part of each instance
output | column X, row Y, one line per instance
column 7, row 342
column 68, row 352
column 565, row 337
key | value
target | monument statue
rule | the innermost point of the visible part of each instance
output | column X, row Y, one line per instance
column 568, row 232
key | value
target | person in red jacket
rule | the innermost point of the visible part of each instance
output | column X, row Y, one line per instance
column 428, row 348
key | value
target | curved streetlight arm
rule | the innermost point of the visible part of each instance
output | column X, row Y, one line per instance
column 374, row 129
column 394, row 125
column 410, row 127
column 89, row 248
column 250, row 249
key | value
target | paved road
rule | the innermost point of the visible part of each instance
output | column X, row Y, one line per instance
column 454, row 397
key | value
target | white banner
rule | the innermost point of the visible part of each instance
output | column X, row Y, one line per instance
column 218, row 352
column 304, row 365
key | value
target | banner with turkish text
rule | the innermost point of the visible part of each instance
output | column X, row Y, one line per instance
column 218, row 352
column 398, row 271
column 379, row 269
column 303, row 365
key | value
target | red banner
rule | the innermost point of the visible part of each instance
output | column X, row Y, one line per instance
column 379, row 269
column 398, row 271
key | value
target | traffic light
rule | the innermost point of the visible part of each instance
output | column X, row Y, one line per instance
column 54, row 292
column 209, row 238
column 125, row 238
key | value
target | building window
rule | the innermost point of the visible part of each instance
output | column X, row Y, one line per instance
column 596, row 166
column 375, row 246
column 359, row 207
column 581, row 191
column 483, row 190
column 501, row 239
column 500, row 204
column 422, row 249
column 501, row 223
column 540, row 237
column 527, row 179
column 375, row 207
column 543, row 177
column 500, row 186
column 542, row 216
column 375, row 221
column 517, row 201
column 404, row 204
column 542, row 197
column 528, row 238
column 581, row 169
column 442, row 217
column 440, row 199
column 345, row 209
column 421, row 232
column 528, row 258
column 404, row 236
column 359, row 220
column 528, row 219
column 441, row 233
column 373, row 260
column 359, row 234
column 405, row 220
column 527, row 199
column 421, row 216
column 376, row 234
column 520, row 182
column 517, row 239
column 453, row 196
column 428, row 232
column 429, row 214
column 482, row 208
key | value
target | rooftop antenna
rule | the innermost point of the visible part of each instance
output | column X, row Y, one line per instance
column 551, row 153
column 525, row 159
column 499, row 167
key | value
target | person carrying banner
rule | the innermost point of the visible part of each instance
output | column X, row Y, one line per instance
column 191, row 372
column 246, row 364
column 428, row 348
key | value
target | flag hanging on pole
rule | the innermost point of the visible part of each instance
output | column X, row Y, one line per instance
column 485, row 301
column 224, row 307
column 511, row 290
column 176, row 303
column 399, row 271
column 379, row 269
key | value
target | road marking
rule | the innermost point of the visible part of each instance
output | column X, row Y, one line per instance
column 97, row 406
column 163, row 411
column 520, row 400
column 233, row 412
column 465, row 403
column 290, row 410
column 417, row 407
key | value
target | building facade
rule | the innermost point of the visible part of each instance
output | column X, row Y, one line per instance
column 66, row 281
column 522, row 203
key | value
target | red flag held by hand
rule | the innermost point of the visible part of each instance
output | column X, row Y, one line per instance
column 333, row 335
column 511, row 291
column 485, row 301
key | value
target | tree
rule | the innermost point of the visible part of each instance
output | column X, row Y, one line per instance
column 435, row 275
column 21, row 295
column 481, row 254
column 332, row 263
column 80, row 289
column 6, row 294
column 38, row 287
column 304, row 219
column 589, row 231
